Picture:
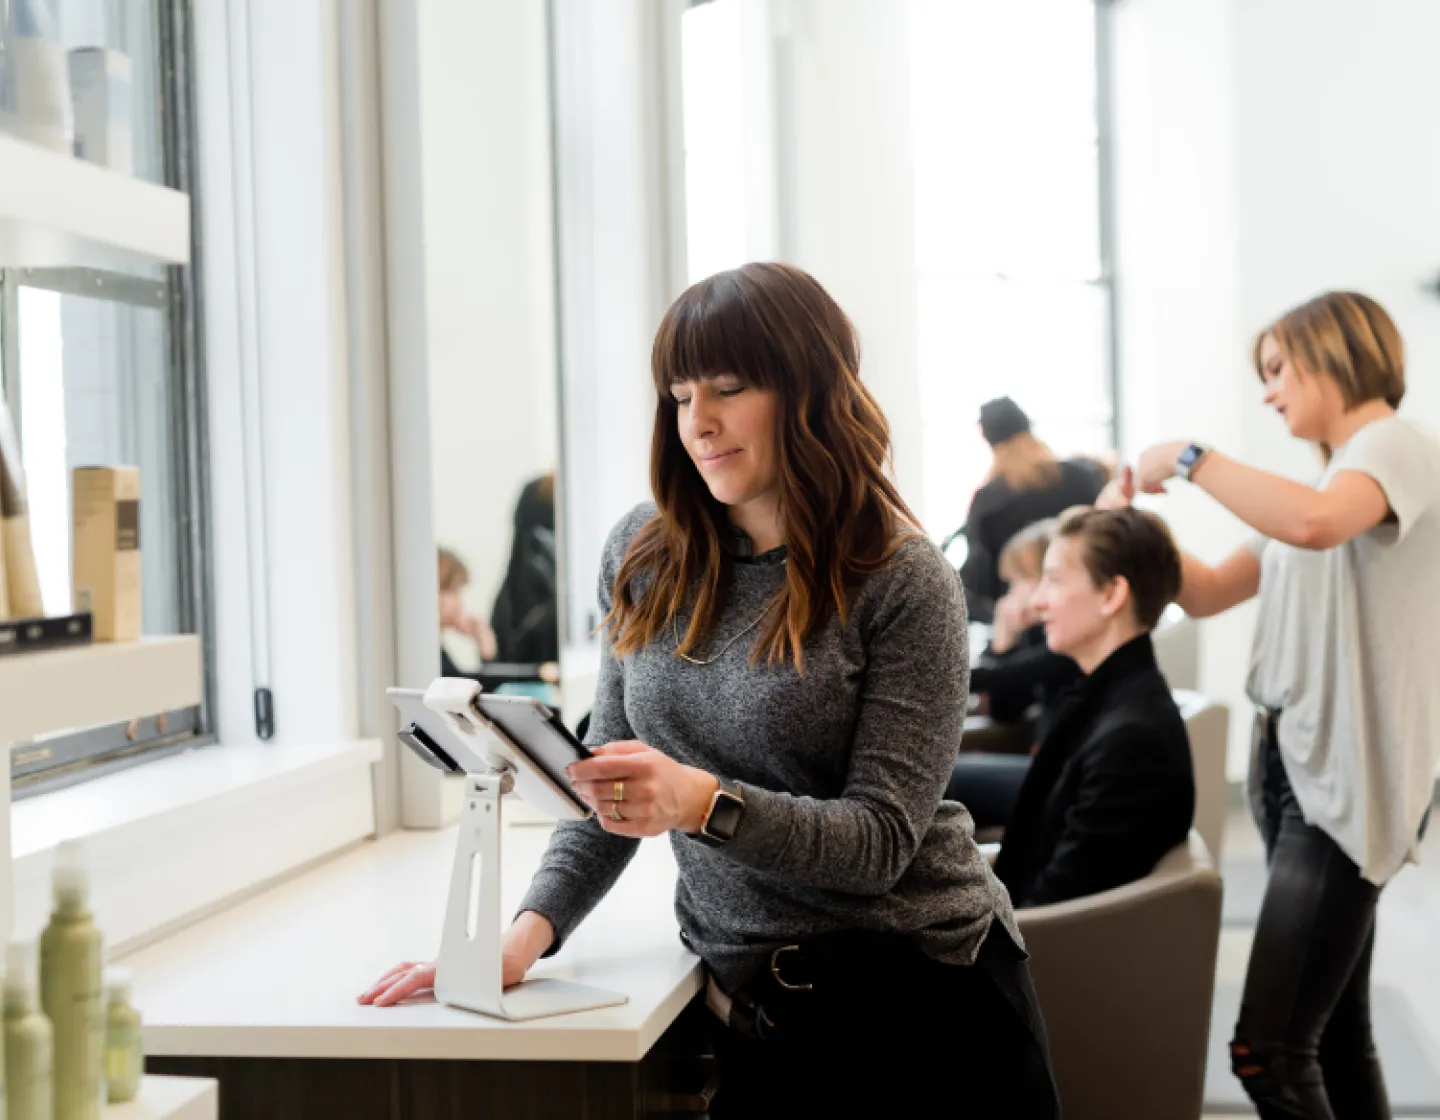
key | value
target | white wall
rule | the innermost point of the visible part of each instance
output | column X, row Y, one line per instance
column 489, row 277
column 1339, row 152
column 1266, row 150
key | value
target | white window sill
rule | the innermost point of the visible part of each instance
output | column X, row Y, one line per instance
column 177, row 838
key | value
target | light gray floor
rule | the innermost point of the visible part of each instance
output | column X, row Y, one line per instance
column 1405, row 947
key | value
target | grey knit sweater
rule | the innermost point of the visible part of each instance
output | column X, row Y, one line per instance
column 842, row 770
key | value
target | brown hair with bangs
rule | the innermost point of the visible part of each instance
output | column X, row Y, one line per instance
column 1349, row 338
column 776, row 328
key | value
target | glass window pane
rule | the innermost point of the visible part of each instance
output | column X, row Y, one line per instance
column 95, row 391
column 1006, row 167
column 714, row 124
column 132, row 28
column 1044, row 344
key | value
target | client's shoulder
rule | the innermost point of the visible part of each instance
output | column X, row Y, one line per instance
column 1142, row 717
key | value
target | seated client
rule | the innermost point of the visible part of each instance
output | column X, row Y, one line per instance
column 1111, row 788
column 1018, row 670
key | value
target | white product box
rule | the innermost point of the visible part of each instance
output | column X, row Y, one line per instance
column 33, row 99
column 101, row 90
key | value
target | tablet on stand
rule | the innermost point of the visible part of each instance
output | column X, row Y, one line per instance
column 499, row 743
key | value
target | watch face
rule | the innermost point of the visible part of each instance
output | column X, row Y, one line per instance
column 1188, row 458
column 724, row 817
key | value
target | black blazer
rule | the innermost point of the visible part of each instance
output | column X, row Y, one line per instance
column 1025, row 675
column 997, row 513
column 1111, row 788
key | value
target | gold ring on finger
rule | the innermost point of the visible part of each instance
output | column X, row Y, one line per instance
column 620, row 789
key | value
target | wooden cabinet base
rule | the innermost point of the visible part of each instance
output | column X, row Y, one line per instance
column 674, row 1080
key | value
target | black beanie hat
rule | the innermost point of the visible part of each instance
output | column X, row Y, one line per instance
column 1001, row 419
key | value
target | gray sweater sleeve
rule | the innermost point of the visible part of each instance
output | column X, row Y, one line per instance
column 584, row 861
column 907, row 733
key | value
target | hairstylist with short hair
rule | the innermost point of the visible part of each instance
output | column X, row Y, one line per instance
column 1345, row 675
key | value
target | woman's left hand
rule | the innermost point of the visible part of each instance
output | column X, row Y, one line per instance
column 1157, row 466
column 656, row 794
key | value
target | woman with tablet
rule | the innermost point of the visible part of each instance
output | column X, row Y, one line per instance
column 782, row 691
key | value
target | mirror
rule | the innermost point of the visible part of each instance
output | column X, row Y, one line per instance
column 491, row 346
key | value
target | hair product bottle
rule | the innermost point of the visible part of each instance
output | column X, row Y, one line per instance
column 28, row 1071
column 124, row 1047
column 71, row 990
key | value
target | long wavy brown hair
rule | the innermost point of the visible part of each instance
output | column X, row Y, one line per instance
column 777, row 329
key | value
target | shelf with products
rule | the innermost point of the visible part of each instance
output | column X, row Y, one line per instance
column 104, row 682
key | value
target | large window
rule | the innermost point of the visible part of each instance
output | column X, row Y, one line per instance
column 711, row 61
column 100, row 368
column 1014, row 284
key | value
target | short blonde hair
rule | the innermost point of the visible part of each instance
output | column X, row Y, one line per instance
column 1347, row 337
column 1024, row 554
column 453, row 573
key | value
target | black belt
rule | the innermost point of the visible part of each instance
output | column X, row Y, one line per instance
column 792, row 973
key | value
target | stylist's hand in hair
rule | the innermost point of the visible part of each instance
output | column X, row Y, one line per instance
column 657, row 794
column 1157, row 466
column 1119, row 492
column 529, row 936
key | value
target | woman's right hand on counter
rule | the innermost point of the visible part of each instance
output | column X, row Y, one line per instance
column 524, row 941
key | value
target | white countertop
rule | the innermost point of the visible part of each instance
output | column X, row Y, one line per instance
column 277, row 975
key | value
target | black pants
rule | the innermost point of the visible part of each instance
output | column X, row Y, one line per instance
column 1303, row 1047
column 988, row 785
column 887, row 1031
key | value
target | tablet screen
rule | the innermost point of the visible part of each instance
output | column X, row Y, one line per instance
column 536, row 730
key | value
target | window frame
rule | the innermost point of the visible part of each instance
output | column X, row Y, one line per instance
column 56, row 762
column 1105, row 154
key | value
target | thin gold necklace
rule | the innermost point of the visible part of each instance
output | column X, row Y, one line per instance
column 675, row 627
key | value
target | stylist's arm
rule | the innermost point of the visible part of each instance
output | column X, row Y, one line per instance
column 637, row 791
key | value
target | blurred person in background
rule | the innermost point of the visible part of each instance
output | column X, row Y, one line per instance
column 1019, row 672
column 526, row 615
column 1026, row 484
column 454, row 577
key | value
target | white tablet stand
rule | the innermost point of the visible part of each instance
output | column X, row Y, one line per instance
column 468, row 970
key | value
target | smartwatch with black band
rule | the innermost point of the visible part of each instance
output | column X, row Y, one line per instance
column 723, row 817
column 1189, row 459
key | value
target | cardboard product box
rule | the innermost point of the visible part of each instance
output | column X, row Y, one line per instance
column 107, row 550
